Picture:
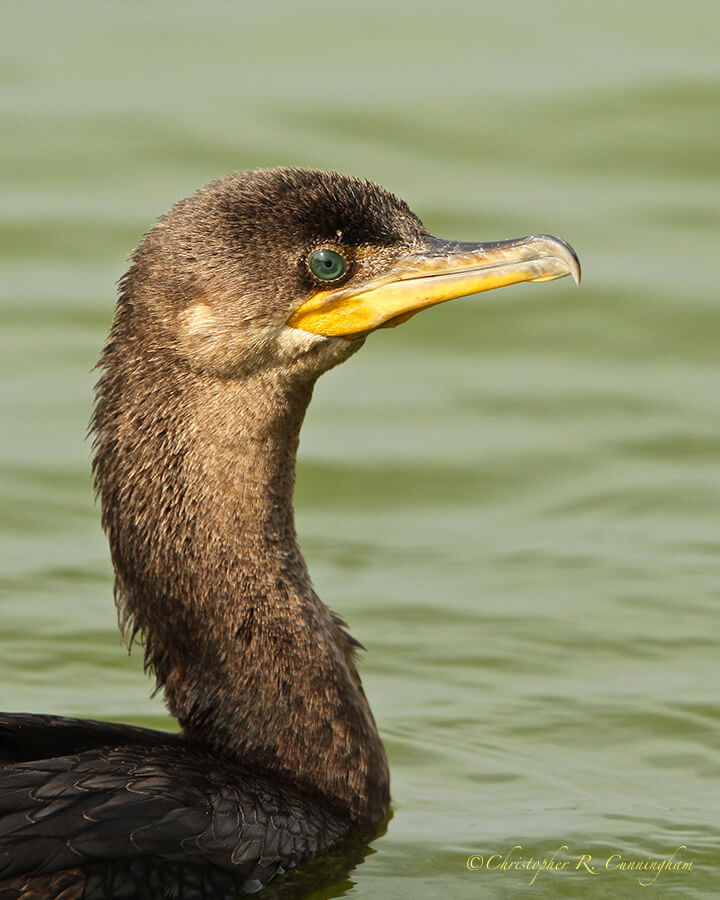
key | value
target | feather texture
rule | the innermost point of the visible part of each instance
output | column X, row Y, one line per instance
column 130, row 812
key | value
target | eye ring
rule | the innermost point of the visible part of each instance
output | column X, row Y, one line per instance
column 327, row 264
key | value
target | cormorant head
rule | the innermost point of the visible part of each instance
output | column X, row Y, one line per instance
column 293, row 268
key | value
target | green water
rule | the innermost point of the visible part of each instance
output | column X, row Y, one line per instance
column 513, row 499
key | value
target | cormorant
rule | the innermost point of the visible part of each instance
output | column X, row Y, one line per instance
column 234, row 304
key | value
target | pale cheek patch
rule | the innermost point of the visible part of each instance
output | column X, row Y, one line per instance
column 198, row 321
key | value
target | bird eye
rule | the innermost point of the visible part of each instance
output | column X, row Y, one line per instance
column 327, row 265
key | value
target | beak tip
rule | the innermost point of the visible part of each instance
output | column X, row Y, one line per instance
column 566, row 253
column 576, row 269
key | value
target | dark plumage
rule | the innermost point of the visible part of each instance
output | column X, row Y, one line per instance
column 220, row 333
column 104, row 803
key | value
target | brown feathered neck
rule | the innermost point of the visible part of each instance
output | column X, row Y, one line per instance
column 195, row 472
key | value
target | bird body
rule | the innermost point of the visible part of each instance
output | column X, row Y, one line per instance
column 234, row 304
column 92, row 809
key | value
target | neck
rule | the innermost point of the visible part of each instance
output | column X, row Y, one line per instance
column 196, row 476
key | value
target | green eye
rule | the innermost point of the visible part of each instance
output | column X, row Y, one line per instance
column 327, row 265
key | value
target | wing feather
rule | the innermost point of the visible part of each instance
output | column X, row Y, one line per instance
column 156, row 806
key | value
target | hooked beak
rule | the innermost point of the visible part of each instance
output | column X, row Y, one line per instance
column 439, row 271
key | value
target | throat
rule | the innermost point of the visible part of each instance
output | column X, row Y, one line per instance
column 196, row 477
